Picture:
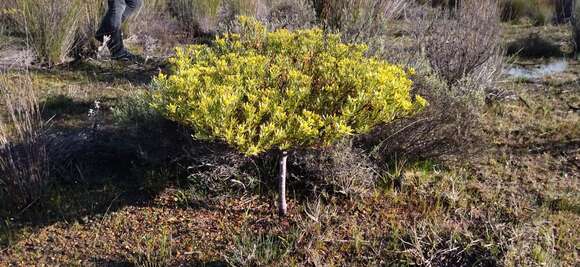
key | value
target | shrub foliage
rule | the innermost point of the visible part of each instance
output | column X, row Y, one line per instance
column 260, row 91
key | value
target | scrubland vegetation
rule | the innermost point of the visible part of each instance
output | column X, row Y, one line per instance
column 430, row 133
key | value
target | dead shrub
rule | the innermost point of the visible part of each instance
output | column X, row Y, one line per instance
column 216, row 170
column 154, row 30
column 461, row 43
column 340, row 169
column 24, row 168
column 448, row 125
column 347, row 170
column 294, row 14
column 463, row 60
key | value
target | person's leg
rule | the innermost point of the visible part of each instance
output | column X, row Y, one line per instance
column 111, row 26
column 132, row 7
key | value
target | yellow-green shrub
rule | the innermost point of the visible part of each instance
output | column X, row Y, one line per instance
column 260, row 91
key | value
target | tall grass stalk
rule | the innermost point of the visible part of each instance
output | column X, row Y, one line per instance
column 538, row 12
column 24, row 165
column 358, row 20
column 50, row 26
column 199, row 16
column 89, row 19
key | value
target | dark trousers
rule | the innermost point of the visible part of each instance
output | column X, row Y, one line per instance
column 118, row 11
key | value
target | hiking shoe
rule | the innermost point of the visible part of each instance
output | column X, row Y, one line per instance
column 127, row 56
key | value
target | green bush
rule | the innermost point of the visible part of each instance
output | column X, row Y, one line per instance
column 283, row 90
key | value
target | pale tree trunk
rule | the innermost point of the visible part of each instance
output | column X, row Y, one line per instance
column 282, row 206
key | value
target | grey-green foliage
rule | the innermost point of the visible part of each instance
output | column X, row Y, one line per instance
column 135, row 110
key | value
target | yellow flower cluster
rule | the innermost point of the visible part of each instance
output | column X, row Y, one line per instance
column 260, row 90
column 9, row 11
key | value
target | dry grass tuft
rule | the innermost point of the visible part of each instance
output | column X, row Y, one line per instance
column 24, row 166
column 90, row 15
column 210, row 17
column 359, row 20
column 199, row 17
column 50, row 27
column 153, row 250
column 538, row 12
column 342, row 168
column 7, row 12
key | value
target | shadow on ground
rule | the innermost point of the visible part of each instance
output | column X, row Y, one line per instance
column 534, row 46
column 106, row 71
column 94, row 172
